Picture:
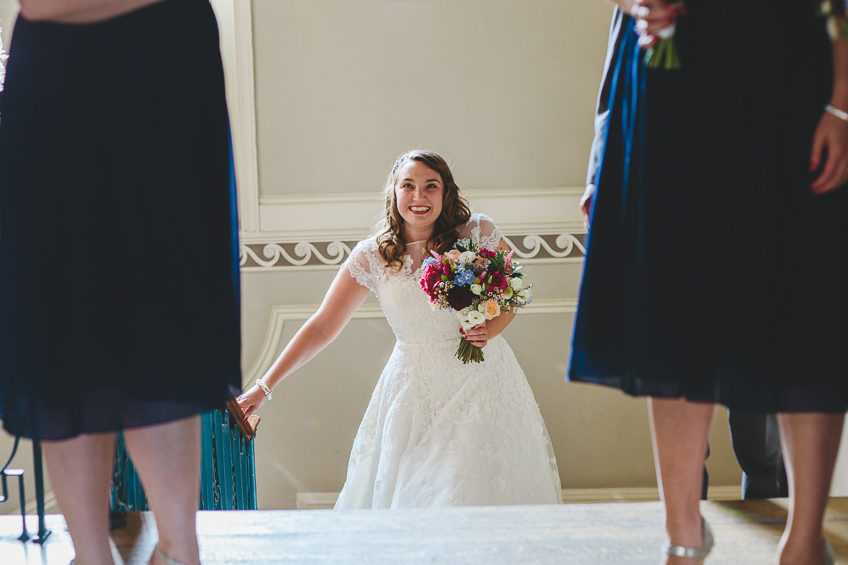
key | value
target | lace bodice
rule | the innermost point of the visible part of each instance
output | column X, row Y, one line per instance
column 405, row 304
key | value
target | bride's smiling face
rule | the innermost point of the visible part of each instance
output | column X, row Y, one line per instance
column 418, row 194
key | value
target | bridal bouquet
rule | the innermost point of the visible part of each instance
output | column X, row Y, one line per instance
column 837, row 19
column 475, row 283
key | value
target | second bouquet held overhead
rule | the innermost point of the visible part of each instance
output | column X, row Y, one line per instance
column 437, row 432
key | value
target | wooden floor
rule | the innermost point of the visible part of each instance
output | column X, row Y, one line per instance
column 590, row 534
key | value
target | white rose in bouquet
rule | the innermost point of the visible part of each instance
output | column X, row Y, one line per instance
column 470, row 318
column 467, row 256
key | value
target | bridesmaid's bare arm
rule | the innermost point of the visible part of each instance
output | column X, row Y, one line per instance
column 79, row 11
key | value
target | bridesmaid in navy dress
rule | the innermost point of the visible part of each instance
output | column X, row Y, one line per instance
column 119, row 305
column 715, row 262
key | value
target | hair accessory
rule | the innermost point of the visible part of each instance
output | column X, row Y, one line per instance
column 264, row 388
column 841, row 114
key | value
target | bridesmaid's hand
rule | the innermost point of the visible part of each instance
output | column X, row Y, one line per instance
column 831, row 135
column 653, row 16
column 586, row 202
column 251, row 400
column 478, row 335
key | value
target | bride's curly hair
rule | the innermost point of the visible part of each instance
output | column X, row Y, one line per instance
column 391, row 235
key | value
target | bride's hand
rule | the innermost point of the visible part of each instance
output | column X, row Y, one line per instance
column 251, row 400
column 478, row 335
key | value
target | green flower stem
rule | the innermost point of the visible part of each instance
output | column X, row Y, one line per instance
column 663, row 55
column 467, row 353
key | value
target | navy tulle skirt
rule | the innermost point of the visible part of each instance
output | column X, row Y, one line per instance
column 712, row 272
column 119, row 289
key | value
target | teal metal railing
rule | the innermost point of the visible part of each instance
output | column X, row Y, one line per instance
column 227, row 472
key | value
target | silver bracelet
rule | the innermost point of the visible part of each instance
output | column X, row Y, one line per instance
column 264, row 388
column 842, row 115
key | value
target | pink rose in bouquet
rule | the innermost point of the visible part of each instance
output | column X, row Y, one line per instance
column 431, row 276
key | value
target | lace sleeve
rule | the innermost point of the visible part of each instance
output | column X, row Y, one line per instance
column 360, row 263
column 482, row 229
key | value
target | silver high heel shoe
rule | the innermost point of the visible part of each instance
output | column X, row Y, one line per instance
column 699, row 553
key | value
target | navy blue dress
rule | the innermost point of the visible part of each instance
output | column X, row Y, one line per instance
column 119, row 289
column 712, row 272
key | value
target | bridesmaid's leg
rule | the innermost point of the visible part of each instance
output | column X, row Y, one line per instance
column 167, row 457
column 680, row 432
column 80, row 472
column 810, row 445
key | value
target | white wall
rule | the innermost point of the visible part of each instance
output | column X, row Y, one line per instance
column 8, row 12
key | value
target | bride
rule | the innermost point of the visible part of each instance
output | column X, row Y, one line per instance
column 437, row 432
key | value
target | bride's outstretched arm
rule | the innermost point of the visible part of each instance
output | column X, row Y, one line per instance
column 339, row 305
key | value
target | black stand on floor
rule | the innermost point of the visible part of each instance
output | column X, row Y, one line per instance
column 43, row 532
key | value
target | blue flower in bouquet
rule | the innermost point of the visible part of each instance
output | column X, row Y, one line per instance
column 462, row 244
column 429, row 261
column 464, row 277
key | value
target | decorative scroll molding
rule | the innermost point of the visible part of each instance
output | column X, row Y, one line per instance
column 273, row 256
column 282, row 313
column 278, row 256
column 543, row 248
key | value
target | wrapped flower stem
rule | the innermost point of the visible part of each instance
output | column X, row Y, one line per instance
column 467, row 352
column 663, row 54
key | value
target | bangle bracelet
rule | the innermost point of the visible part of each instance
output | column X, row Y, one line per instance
column 264, row 388
column 842, row 115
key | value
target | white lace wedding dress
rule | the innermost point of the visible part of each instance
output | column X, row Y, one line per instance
column 437, row 432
